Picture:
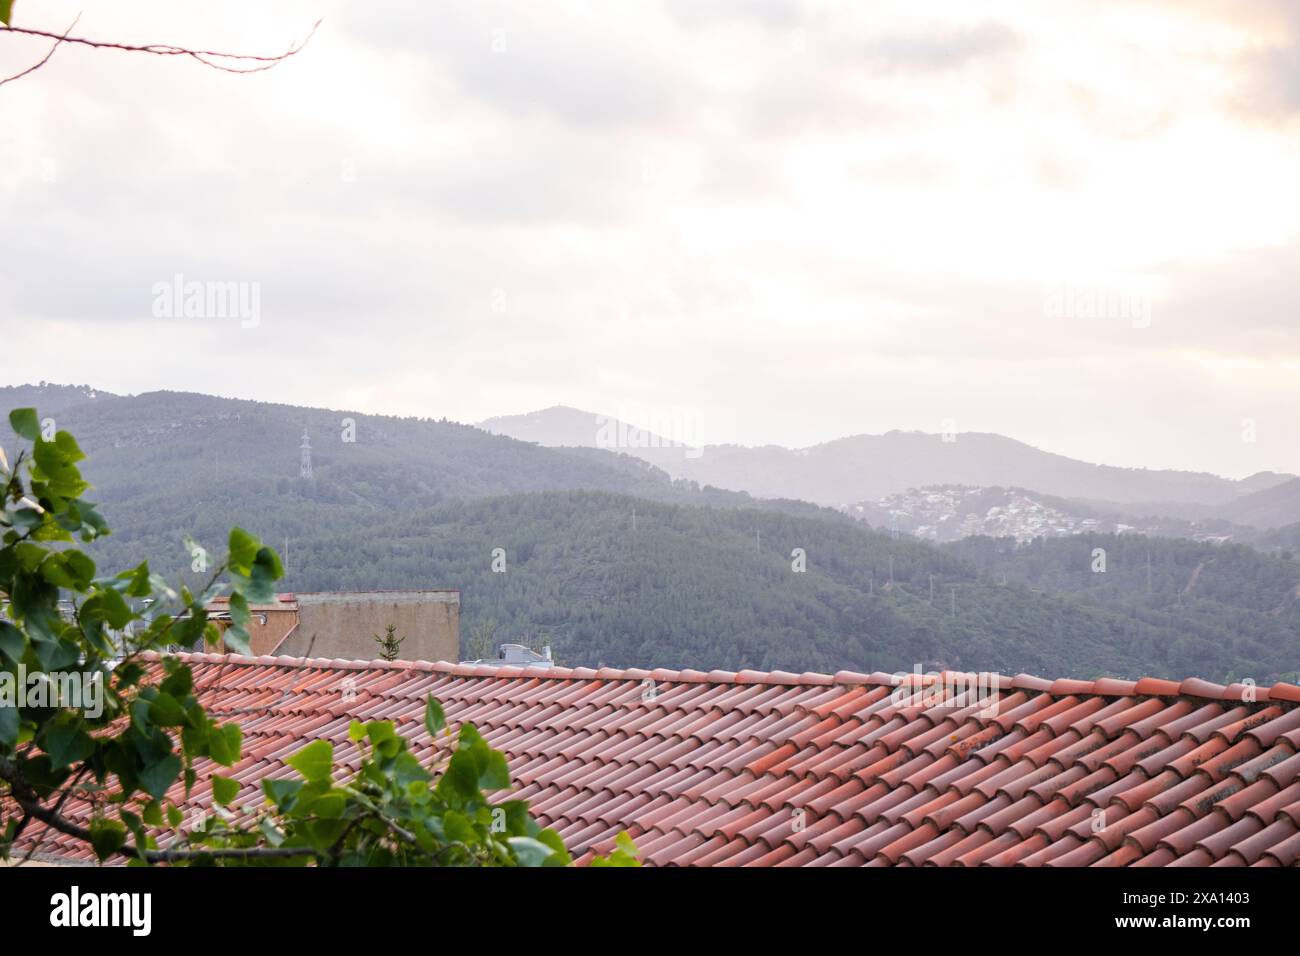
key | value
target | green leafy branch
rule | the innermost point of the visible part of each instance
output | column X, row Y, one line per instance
column 151, row 732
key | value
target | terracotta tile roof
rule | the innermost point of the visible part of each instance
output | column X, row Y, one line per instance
column 777, row 769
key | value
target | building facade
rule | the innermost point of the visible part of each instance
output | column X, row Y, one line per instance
column 344, row 624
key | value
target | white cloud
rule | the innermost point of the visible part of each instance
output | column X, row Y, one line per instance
column 807, row 219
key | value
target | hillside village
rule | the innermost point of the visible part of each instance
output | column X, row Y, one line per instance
column 951, row 512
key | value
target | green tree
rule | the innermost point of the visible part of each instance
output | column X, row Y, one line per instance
column 57, row 614
column 389, row 644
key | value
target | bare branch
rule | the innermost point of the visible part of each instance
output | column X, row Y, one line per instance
column 31, row 805
column 58, row 809
column 46, row 59
column 234, row 62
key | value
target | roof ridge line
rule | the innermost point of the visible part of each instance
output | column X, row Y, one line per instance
column 1101, row 687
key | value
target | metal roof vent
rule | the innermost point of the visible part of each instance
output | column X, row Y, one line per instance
column 518, row 655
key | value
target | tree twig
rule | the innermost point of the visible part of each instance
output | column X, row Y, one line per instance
column 238, row 62
column 30, row 804
column 58, row 808
column 46, row 59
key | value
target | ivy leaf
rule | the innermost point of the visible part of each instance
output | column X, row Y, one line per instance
column 67, row 743
column 133, row 824
column 180, row 680
column 78, row 569
column 530, row 852
column 625, row 853
column 108, row 606
column 383, row 738
column 559, row 856
column 434, row 719
column 272, row 833
column 243, row 549
column 266, row 571
column 166, row 711
column 239, row 612
column 330, row 806
column 314, row 761
column 236, row 640
column 224, row 790
column 283, row 793
column 224, row 744
column 12, row 643
column 107, row 837
column 157, row 778
column 456, row 827
column 407, row 769
column 152, row 813
column 68, row 445
column 494, row 775
column 23, row 421
column 323, row 834
column 92, row 523
column 139, row 580
column 9, row 725
column 460, row 778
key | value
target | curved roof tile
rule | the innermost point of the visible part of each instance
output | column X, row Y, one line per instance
column 850, row 769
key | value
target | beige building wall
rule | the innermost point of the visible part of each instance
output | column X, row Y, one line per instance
column 268, row 626
column 342, row 624
column 265, row 638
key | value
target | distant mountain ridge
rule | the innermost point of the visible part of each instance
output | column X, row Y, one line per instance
column 562, row 426
column 617, row 562
column 1270, row 507
column 863, row 467
column 170, row 464
column 571, row 449
column 48, row 397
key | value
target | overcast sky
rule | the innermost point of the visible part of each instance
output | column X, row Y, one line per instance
column 1074, row 224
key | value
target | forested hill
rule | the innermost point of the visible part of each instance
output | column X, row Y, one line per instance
column 192, row 458
column 705, row 588
column 418, row 503
column 1246, row 601
column 161, row 441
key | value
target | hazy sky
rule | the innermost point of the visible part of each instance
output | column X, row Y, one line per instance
column 1077, row 224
